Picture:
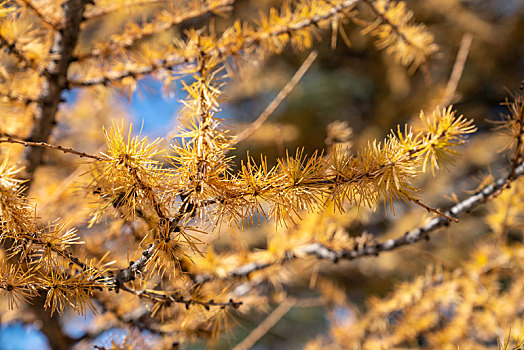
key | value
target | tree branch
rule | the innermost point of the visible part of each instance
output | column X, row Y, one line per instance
column 49, row 146
column 55, row 82
column 129, row 273
column 149, row 32
column 47, row 105
column 176, row 60
column 278, row 99
column 457, row 70
column 321, row 251
column 175, row 297
column 270, row 321
column 393, row 26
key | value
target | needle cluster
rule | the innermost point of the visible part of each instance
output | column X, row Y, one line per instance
column 144, row 255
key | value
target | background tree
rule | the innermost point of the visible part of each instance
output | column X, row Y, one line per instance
column 162, row 243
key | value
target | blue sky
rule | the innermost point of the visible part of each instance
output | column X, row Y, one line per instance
column 20, row 337
column 150, row 108
column 153, row 113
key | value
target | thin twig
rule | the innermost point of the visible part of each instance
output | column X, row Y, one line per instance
column 266, row 325
column 278, row 99
column 175, row 297
column 432, row 210
column 458, row 68
column 61, row 252
column 50, row 146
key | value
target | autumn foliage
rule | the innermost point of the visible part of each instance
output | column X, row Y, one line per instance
column 168, row 242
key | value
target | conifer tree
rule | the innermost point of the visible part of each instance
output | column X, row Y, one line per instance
column 98, row 220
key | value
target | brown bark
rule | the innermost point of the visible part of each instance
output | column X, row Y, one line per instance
column 55, row 83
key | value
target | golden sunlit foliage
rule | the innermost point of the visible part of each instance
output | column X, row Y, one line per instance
column 166, row 240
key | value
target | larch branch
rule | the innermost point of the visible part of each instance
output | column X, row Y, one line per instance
column 321, row 251
column 430, row 209
column 174, row 60
column 129, row 273
column 147, row 33
column 393, row 26
column 175, row 297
